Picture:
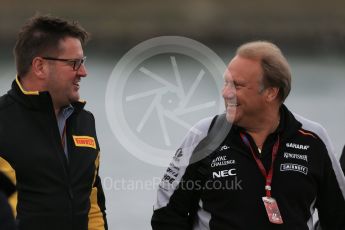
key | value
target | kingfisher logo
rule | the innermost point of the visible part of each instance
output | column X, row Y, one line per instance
column 295, row 156
column 84, row 141
column 297, row 146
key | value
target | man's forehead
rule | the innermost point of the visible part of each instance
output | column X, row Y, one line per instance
column 242, row 67
column 70, row 44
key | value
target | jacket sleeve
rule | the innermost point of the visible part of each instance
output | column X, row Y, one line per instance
column 6, row 215
column 331, row 197
column 97, row 215
column 9, row 172
column 6, row 185
column 178, row 193
column 342, row 160
column 330, row 202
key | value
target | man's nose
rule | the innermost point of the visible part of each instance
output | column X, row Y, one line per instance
column 229, row 91
column 82, row 71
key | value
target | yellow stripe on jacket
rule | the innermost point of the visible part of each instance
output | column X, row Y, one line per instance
column 7, row 169
column 96, row 221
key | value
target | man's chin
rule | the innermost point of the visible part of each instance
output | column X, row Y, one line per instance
column 75, row 98
column 230, row 117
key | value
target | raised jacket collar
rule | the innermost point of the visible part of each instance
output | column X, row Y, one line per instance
column 36, row 100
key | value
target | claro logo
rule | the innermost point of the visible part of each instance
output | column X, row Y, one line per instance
column 224, row 173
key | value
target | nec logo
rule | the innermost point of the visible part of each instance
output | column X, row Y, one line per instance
column 224, row 173
column 297, row 146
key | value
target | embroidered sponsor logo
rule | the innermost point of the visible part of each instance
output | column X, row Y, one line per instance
column 297, row 146
column 173, row 166
column 221, row 161
column 224, row 147
column 294, row 167
column 84, row 141
column 170, row 176
column 224, row 173
column 295, row 156
column 178, row 155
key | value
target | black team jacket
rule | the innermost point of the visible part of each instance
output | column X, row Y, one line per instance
column 224, row 190
column 53, row 192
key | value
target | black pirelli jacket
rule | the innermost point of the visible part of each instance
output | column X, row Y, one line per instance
column 224, row 190
column 53, row 192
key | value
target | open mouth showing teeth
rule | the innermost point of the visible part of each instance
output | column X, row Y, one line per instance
column 76, row 85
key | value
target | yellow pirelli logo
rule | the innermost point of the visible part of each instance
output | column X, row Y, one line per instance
column 84, row 141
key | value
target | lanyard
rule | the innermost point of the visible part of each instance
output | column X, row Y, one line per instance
column 261, row 166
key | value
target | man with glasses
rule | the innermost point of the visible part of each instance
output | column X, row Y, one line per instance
column 48, row 142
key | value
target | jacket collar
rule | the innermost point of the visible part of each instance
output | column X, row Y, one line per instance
column 287, row 127
column 37, row 100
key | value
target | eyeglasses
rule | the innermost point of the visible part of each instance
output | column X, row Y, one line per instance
column 76, row 62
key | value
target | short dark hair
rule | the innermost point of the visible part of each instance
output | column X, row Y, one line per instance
column 41, row 36
column 276, row 69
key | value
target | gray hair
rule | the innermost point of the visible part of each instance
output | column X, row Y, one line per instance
column 276, row 69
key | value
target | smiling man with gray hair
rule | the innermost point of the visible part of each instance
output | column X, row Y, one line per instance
column 281, row 163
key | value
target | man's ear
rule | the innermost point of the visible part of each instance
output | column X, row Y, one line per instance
column 39, row 67
column 272, row 93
